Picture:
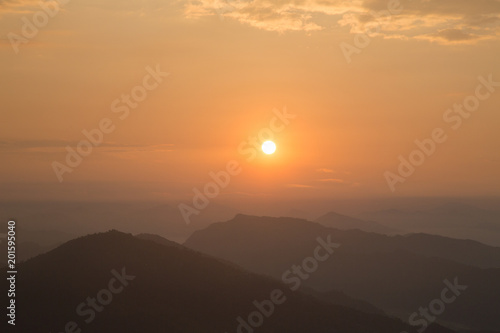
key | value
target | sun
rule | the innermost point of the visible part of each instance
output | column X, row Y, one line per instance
column 268, row 147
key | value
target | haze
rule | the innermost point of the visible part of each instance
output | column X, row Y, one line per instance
column 230, row 65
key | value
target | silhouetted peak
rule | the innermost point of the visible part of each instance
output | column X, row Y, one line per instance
column 157, row 239
column 335, row 215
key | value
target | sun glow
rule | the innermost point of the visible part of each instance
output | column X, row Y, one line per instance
column 268, row 147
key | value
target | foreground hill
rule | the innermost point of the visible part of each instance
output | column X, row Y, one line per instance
column 157, row 239
column 398, row 274
column 119, row 283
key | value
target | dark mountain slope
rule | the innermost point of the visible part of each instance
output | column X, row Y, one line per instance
column 174, row 290
column 375, row 268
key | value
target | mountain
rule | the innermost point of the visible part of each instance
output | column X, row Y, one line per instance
column 332, row 296
column 30, row 243
column 339, row 298
column 45, row 238
column 115, row 282
column 451, row 220
column 52, row 223
column 398, row 274
column 157, row 239
column 467, row 252
column 343, row 222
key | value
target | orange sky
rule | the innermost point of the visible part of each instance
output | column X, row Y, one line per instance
column 230, row 64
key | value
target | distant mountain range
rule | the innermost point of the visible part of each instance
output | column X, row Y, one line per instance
column 57, row 222
column 397, row 274
column 343, row 222
column 115, row 282
column 385, row 266
column 30, row 243
column 81, row 218
column 452, row 220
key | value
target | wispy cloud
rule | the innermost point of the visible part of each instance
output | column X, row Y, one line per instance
column 454, row 36
column 332, row 180
column 444, row 21
column 337, row 181
column 299, row 186
column 59, row 146
column 18, row 6
column 325, row 170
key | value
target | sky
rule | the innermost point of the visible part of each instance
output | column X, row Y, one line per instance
column 352, row 85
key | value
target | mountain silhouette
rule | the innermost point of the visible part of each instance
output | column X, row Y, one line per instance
column 343, row 222
column 166, row 288
column 397, row 274
column 453, row 219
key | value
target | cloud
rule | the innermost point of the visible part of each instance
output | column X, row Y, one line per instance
column 250, row 194
column 299, row 186
column 453, row 36
column 277, row 16
column 337, row 181
column 120, row 148
column 280, row 15
column 59, row 146
column 332, row 180
column 325, row 170
column 434, row 20
column 123, row 7
column 18, row 6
